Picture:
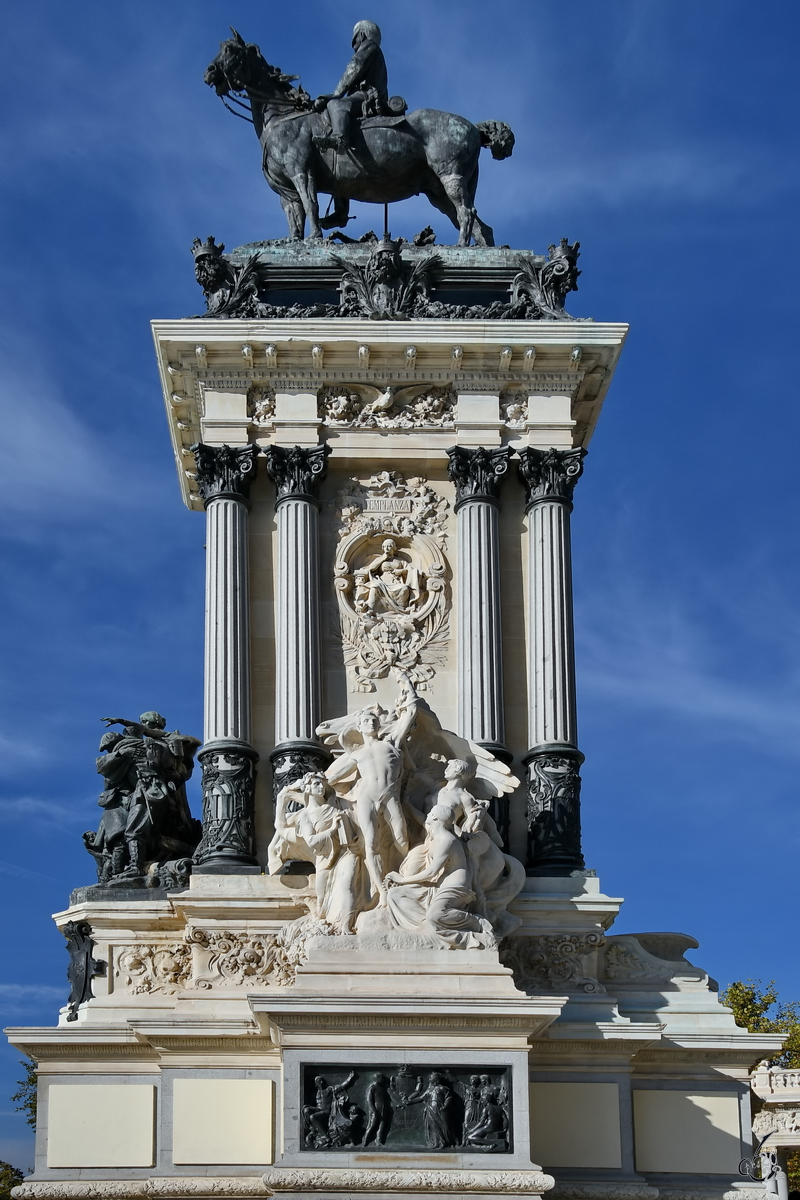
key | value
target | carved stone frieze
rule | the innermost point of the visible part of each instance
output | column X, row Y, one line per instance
column 152, row 969
column 623, row 964
column 297, row 471
column 550, row 474
column 552, row 962
column 225, row 472
column 391, row 579
column 82, row 967
column 554, row 809
column 229, row 776
column 261, row 405
column 224, row 959
column 166, row 1188
column 776, row 1120
column 514, row 409
column 415, row 406
column 282, row 1179
column 477, row 473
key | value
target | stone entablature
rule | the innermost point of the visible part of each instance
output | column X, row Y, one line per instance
column 470, row 383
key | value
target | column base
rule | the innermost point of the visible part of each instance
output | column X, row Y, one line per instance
column 227, row 867
column 229, row 777
column 290, row 761
column 554, row 809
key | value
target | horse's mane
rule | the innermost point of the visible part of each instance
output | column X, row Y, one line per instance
column 282, row 83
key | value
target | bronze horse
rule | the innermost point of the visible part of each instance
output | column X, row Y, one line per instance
column 425, row 152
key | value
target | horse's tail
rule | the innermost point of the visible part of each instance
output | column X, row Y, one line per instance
column 498, row 137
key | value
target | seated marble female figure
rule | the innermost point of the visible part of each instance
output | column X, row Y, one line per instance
column 315, row 825
column 432, row 892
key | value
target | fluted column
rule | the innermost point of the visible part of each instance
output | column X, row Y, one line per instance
column 224, row 475
column 477, row 475
column 553, row 760
column 297, row 472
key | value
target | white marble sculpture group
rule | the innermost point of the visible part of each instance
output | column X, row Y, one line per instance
column 399, row 831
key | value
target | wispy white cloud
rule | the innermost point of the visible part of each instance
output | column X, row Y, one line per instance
column 29, row 991
column 33, row 809
column 17, row 872
column 640, row 652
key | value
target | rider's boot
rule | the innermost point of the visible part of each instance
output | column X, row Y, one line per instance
column 329, row 141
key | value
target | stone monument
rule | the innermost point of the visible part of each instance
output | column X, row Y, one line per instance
column 380, row 966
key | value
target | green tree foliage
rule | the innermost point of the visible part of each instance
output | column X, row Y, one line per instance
column 9, row 1178
column 25, row 1094
column 751, row 1002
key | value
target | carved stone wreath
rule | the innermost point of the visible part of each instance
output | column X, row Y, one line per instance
column 390, row 577
column 412, row 406
column 153, row 969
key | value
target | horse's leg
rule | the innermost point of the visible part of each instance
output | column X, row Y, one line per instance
column 295, row 215
column 484, row 234
column 458, row 191
column 307, row 190
column 440, row 199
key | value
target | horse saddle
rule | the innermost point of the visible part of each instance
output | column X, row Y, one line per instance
column 381, row 122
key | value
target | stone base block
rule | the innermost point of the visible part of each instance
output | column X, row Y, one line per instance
column 374, row 1184
column 165, row 1187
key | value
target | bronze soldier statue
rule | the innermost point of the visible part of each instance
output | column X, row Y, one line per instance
column 361, row 92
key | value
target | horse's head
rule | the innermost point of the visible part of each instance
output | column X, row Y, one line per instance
column 231, row 70
column 241, row 67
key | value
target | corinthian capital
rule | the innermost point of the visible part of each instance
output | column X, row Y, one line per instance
column 550, row 474
column 225, row 471
column 477, row 473
column 297, row 470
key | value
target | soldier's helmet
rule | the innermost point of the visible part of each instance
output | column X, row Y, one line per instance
column 369, row 29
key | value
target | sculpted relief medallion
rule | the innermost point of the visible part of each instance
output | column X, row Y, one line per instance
column 391, row 579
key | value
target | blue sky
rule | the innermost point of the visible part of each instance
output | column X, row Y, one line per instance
column 660, row 133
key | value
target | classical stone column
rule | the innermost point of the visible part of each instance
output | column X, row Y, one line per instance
column 477, row 474
column 553, row 760
column 297, row 472
column 224, row 475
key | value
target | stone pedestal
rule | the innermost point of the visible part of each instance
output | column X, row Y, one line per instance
column 388, row 1013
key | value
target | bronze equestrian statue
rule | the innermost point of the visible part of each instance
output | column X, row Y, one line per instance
column 357, row 143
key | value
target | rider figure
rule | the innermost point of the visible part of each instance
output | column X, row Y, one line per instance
column 362, row 90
